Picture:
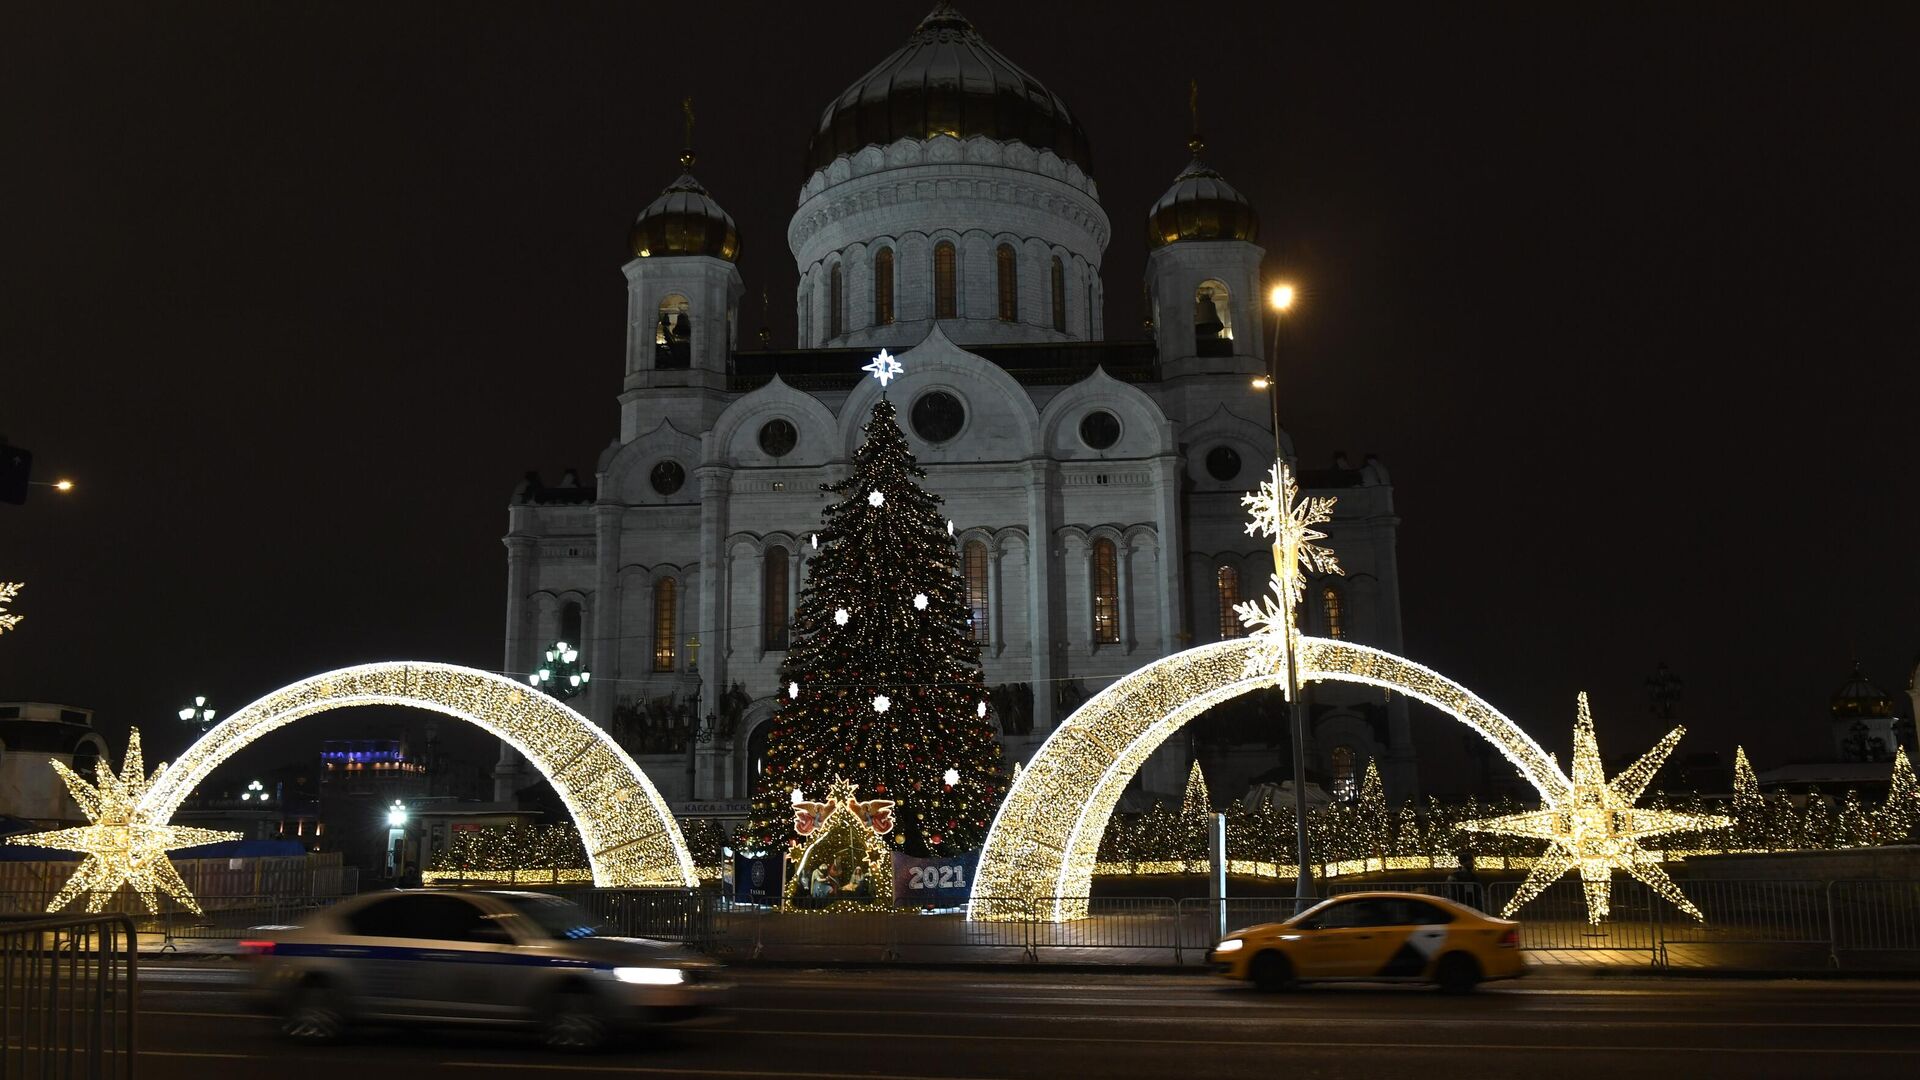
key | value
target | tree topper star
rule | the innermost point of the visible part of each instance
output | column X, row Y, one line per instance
column 1595, row 827
column 884, row 368
column 122, row 846
column 1277, row 511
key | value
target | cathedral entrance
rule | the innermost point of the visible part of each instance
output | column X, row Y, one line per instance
column 630, row 837
column 1039, row 855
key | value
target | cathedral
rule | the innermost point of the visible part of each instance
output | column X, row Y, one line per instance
column 950, row 214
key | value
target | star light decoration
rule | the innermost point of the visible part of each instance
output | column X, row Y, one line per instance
column 1595, row 828
column 885, row 368
column 123, row 844
column 9, row 590
column 1276, row 510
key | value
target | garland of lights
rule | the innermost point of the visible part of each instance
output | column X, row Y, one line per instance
column 123, row 843
column 631, row 839
column 1597, row 829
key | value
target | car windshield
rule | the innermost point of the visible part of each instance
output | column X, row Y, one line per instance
column 556, row 917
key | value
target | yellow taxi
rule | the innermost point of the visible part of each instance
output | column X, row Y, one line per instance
column 1377, row 936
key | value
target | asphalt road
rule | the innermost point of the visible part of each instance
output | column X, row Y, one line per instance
column 943, row 1025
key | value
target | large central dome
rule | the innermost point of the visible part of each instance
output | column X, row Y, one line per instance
column 946, row 80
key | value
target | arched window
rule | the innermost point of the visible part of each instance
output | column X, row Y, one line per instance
column 773, row 599
column 1227, row 583
column 806, row 317
column 1212, row 320
column 673, row 333
column 1342, row 761
column 1106, row 593
column 1059, row 295
column 1007, row 273
column 1333, row 606
column 836, row 304
column 665, row 623
column 883, row 287
column 570, row 623
column 974, row 560
column 944, row 275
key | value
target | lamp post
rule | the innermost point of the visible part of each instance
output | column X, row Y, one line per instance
column 396, row 836
column 197, row 714
column 562, row 676
column 1280, row 299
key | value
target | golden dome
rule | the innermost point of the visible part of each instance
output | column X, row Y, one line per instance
column 1201, row 205
column 1859, row 697
column 684, row 220
column 946, row 80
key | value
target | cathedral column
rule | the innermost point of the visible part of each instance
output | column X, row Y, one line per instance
column 605, row 660
column 1173, row 554
column 1040, row 590
column 996, row 603
column 1123, row 581
column 715, row 480
column 520, row 548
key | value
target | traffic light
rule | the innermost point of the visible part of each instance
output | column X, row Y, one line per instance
column 15, row 466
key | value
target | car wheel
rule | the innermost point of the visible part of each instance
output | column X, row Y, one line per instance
column 1458, row 973
column 575, row 1022
column 1271, row 973
column 314, row 1016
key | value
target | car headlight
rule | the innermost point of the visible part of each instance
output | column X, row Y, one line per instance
column 650, row 976
column 1230, row 945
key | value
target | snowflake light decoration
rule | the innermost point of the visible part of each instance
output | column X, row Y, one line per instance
column 9, row 590
column 1595, row 828
column 122, row 844
column 1276, row 510
column 840, row 616
column 885, row 368
column 876, row 498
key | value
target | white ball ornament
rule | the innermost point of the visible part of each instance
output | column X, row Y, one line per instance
column 797, row 797
column 874, row 498
column 840, row 616
column 952, row 777
column 881, row 703
column 793, row 691
column 980, row 710
column 920, row 601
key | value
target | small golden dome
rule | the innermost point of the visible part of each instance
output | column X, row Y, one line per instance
column 684, row 220
column 1859, row 697
column 1201, row 205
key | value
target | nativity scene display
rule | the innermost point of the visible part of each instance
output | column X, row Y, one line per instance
column 842, row 857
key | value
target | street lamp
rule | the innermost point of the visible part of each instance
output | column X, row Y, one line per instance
column 561, row 675
column 197, row 714
column 1280, row 299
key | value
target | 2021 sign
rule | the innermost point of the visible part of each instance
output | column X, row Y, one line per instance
column 932, row 882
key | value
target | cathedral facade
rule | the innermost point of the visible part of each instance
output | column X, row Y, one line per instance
column 951, row 216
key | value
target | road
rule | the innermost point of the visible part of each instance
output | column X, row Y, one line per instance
column 944, row 1025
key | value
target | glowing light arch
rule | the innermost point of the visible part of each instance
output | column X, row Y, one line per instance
column 630, row 837
column 1040, row 852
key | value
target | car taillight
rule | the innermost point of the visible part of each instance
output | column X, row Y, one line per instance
column 256, row 948
column 1510, row 939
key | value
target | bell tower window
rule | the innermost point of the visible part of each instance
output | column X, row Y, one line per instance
column 673, row 333
column 1212, row 320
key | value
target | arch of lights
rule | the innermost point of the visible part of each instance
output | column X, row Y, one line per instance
column 630, row 837
column 1039, row 855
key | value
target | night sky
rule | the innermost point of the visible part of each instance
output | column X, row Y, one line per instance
column 1622, row 297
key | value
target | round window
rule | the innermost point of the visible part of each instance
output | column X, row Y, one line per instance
column 777, row 438
column 938, row 416
column 1223, row 463
column 668, row 477
column 1100, row 429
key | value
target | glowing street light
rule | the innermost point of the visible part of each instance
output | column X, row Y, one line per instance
column 198, row 714
column 1281, row 297
column 397, row 814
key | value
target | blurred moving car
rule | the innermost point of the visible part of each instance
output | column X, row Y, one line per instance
column 464, row 957
column 1394, row 936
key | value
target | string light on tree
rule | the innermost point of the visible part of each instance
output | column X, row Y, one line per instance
column 8, row 591
column 124, row 843
column 1596, row 829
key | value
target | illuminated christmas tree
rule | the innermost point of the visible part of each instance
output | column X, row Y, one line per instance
column 1196, row 801
column 882, row 684
column 1897, row 816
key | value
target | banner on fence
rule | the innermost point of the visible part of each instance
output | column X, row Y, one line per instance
column 935, row 882
column 756, row 879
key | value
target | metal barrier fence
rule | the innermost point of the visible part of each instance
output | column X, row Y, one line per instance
column 66, row 997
